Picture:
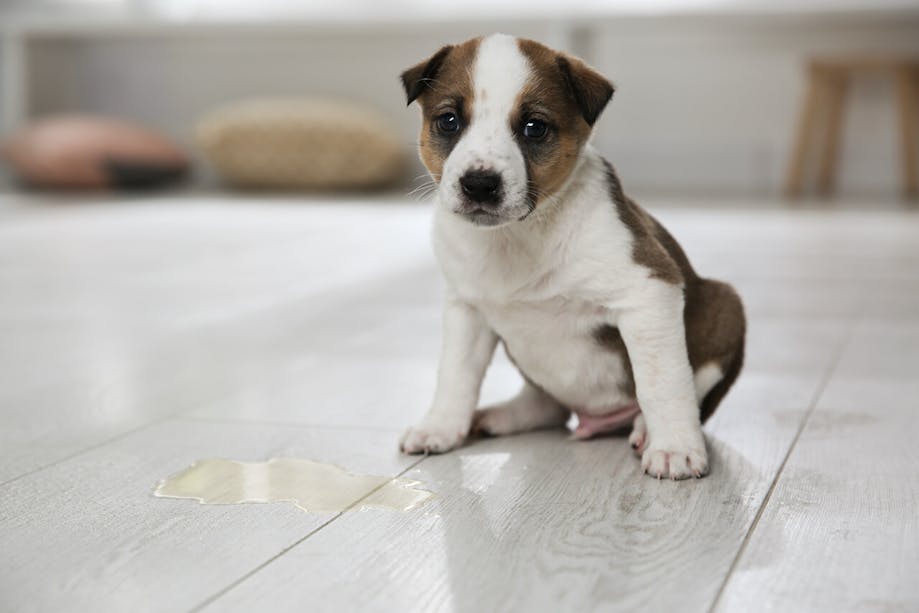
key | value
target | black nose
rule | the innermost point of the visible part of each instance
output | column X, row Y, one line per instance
column 482, row 186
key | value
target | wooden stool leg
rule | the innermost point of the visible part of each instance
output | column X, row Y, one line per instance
column 836, row 84
column 794, row 180
column 907, row 101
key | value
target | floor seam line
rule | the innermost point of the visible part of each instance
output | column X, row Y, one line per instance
column 260, row 422
column 232, row 585
column 92, row 447
column 828, row 374
column 165, row 418
column 178, row 415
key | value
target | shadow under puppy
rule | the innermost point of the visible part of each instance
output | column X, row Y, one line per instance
column 595, row 302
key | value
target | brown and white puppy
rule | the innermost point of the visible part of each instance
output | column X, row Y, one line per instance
column 594, row 301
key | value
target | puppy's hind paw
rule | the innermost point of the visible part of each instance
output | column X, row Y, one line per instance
column 501, row 420
column 639, row 436
column 491, row 422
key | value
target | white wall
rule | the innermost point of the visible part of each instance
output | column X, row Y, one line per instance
column 715, row 106
column 702, row 106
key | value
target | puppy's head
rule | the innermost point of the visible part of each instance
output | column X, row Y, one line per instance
column 504, row 121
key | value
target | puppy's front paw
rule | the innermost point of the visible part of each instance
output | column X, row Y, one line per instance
column 675, row 458
column 432, row 436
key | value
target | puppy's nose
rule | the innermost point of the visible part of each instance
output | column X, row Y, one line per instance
column 482, row 186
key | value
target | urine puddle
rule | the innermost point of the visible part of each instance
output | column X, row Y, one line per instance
column 312, row 486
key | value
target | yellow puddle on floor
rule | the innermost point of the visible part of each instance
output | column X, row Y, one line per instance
column 312, row 486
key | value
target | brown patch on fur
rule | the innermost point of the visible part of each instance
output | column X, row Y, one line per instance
column 715, row 331
column 442, row 84
column 591, row 90
column 556, row 93
column 653, row 247
column 611, row 339
column 713, row 315
column 422, row 76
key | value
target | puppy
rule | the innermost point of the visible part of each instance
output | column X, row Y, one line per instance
column 594, row 301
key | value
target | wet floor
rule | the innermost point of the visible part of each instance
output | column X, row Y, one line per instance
column 314, row 487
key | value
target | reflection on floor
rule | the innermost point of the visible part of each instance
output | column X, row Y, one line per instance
column 139, row 337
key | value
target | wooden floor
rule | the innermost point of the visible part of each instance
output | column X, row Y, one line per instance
column 138, row 337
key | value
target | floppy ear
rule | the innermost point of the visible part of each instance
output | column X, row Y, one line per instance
column 419, row 77
column 590, row 89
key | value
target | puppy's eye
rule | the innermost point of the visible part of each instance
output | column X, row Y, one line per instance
column 535, row 129
column 448, row 122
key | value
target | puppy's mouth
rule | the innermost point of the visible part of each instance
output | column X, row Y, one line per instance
column 481, row 216
column 491, row 209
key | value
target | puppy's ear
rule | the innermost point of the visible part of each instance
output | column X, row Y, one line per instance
column 420, row 77
column 590, row 89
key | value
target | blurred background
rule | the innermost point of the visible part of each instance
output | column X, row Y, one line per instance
column 710, row 93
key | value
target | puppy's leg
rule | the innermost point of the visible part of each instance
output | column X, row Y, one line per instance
column 531, row 409
column 468, row 346
column 705, row 379
column 654, row 335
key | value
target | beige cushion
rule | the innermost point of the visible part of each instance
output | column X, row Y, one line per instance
column 301, row 143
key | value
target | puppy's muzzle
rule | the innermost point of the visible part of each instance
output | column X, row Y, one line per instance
column 482, row 187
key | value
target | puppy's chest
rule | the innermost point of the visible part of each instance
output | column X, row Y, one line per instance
column 547, row 307
column 553, row 343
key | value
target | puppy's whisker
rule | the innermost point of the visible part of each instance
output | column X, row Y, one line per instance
column 423, row 190
column 426, row 178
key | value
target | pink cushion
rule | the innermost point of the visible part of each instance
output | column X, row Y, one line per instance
column 76, row 151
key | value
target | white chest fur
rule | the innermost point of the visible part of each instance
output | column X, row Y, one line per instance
column 545, row 286
column 552, row 343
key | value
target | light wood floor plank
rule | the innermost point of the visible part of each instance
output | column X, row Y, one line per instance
column 841, row 530
column 540, row 522
column 116, row 315
column 88, row 535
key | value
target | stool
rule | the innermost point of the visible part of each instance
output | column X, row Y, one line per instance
column 822, row 116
